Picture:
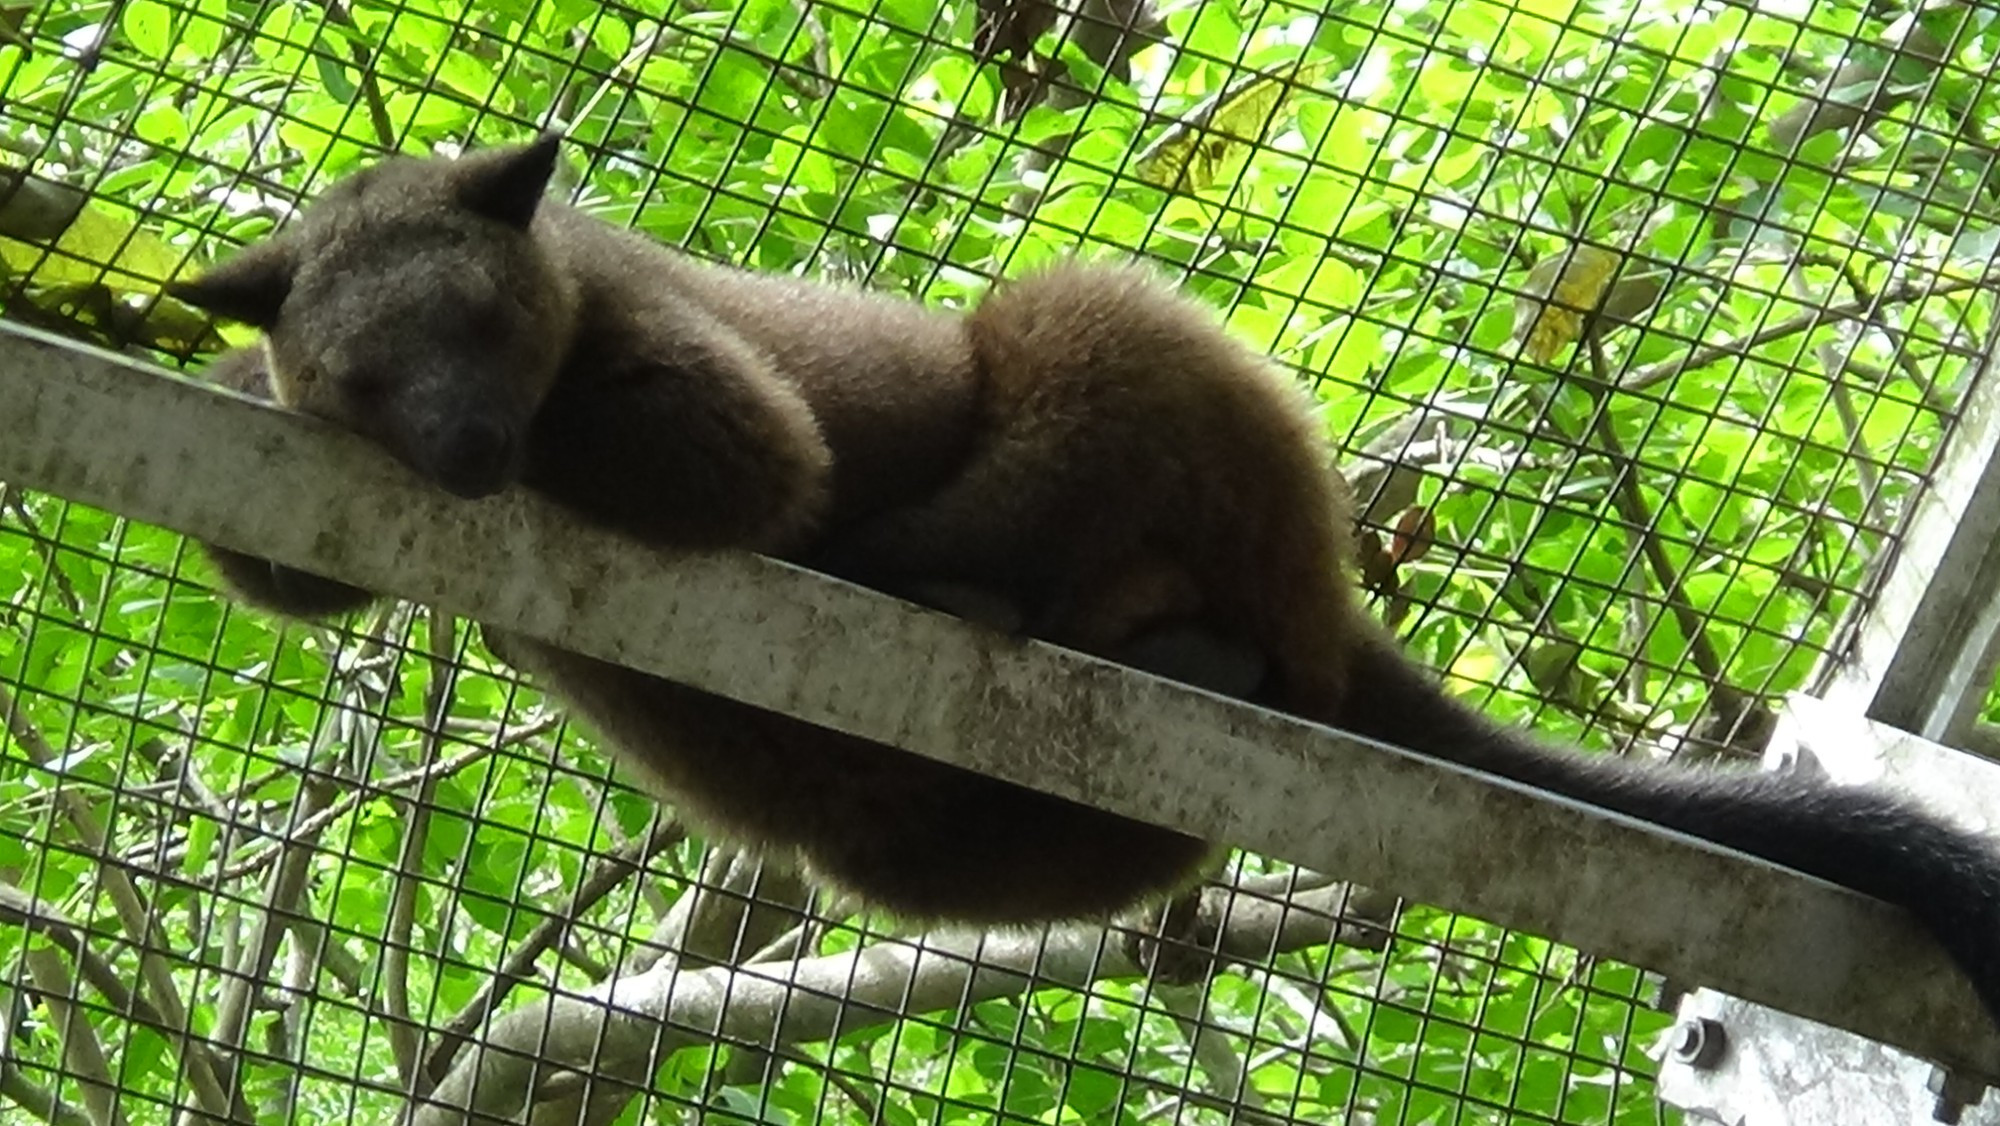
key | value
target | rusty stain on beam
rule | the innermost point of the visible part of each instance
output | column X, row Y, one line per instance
column 106, row 431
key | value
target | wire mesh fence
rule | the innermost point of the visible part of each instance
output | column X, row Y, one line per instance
column 1638, row 326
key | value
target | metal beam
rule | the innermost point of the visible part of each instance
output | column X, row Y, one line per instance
column 104, row 431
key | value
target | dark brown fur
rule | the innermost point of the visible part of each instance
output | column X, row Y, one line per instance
column 1085, row 445
column 662, row 420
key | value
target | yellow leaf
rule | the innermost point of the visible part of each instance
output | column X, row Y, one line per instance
column 104, row 272
column 1561, row 292
column 97, row 246
column 1188, row 156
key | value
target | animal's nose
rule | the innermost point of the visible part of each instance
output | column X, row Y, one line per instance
column 475, row 458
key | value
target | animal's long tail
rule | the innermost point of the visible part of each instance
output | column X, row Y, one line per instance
column 1874, row 842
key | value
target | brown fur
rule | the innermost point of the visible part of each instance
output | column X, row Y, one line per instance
column 688, row 405
column 1129, row 447
column 1085, row 447
column 261, row 582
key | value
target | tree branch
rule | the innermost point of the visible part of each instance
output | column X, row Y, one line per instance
column 37, row 1099
column 430, row 773
column 84, row 1062
column 1702, row 355
column 286, row 885
column 131, row 907
column 613, row 870
column 1833, row 361
column 1633, row 511
column 21, row 909
column 364, row 64
column 578, row 1058
column 440, row 637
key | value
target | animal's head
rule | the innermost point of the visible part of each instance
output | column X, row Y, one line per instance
column 412, row 304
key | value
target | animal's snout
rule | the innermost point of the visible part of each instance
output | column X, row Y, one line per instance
column 474, row 457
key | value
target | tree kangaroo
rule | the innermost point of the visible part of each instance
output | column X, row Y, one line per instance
column 1086, row 445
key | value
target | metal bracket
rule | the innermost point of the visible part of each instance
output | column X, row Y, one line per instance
column 1783, row 1070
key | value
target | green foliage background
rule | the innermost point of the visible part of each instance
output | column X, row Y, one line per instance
column 1622, row 551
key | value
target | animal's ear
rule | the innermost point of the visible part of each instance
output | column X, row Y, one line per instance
column 249, row 286
column 506, row 184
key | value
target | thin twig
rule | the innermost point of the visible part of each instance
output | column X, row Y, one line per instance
column 1209, row 1048
column 1913, row 368
column 747, row 913
column 349, row 801
column 576, row 957
column 83, row 1058
column 1575, row 975
column 287, row 1037
column 318, row 940
column 405, row 1042
column 597, row 796
column 133, row 912
column 45, row 546
column 1632, row 509
column 429, row 773
column 642, row 47
column 1902, row 293
column 364, row 64
column 846, row 1082
column 1860, row 456
column 788, row 943
column 815, row 85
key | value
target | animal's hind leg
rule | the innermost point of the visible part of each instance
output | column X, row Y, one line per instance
column 985, row 529
column 1147, row 620
column 975, row 604
column 1149, row 615
column 1199, row 657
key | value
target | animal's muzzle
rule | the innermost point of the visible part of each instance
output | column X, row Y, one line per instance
column 474, row 458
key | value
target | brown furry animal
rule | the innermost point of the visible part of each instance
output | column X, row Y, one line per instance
column 1085, row 444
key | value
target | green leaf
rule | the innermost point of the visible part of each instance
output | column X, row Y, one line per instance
column 148, row 26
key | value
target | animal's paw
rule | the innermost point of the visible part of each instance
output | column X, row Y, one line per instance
column 1197, row 657
column 1182, row 949
column 285, row 590
column 963, row 600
